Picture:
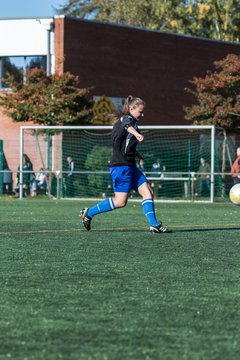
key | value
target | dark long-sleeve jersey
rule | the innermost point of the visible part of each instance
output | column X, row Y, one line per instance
column 124, row 143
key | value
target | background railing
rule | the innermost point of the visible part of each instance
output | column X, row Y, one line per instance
column 166, row 186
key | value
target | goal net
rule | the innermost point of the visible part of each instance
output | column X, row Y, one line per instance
column 75, row 160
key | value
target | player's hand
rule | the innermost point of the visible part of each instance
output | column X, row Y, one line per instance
column 140, row 137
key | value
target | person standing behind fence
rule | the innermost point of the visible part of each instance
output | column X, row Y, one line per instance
column 204, row 176
column 27, row 176
column 70, row 177
column 140, row 165
column 156, row 167
column 236, row 168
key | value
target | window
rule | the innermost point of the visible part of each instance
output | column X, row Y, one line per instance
column 18, row 66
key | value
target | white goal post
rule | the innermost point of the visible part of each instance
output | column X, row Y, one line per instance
column 178, row 148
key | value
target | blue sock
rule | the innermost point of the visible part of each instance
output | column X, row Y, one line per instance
column 149, row 211
column 104, row 206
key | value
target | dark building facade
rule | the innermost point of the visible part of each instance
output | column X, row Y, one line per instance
column 118, row 61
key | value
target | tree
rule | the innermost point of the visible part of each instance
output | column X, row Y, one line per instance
column 215, row 19
column 48, row 99
column 217, row 96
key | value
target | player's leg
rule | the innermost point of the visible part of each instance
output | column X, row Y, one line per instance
column 106, row 205
column 148, row 204
column 121, row 179
column 140, row 183
column 208, row 183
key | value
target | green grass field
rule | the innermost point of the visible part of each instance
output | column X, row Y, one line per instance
column 119, row 292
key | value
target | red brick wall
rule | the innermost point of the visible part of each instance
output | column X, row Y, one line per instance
column 10, row 134
column 59, row 45
column 119, row 61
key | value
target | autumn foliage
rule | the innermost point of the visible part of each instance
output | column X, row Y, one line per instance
column 217, row 96
column 214, row 19
column 48, row 99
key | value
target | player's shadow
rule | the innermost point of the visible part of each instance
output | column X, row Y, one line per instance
column 207, row 229
column 186, row 230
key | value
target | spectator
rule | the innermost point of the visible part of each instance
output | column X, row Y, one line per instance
column 140, row 165
column 156, row 172
column 40, row 183
column 236, row 168
column 204, row 177
column 70, row 177
column 28, row 175
column 157, row 167
column 7, row 181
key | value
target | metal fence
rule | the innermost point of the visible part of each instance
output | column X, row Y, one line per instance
column 166, row 186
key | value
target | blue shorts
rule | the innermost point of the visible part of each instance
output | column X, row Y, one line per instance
column 125, row 178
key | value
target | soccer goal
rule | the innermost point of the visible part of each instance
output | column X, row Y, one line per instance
column 75, row 160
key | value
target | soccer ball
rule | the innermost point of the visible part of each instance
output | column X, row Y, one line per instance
column 235, row 194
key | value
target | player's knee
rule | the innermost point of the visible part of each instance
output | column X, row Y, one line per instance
column 120, row 203
column 147, row 195
column 145, row 191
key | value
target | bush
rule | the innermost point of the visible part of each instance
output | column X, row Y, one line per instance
column 98, row 160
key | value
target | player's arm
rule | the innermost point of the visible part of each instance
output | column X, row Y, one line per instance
column 135, row 133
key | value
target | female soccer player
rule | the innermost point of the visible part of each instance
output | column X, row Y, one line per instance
column 125, row 174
